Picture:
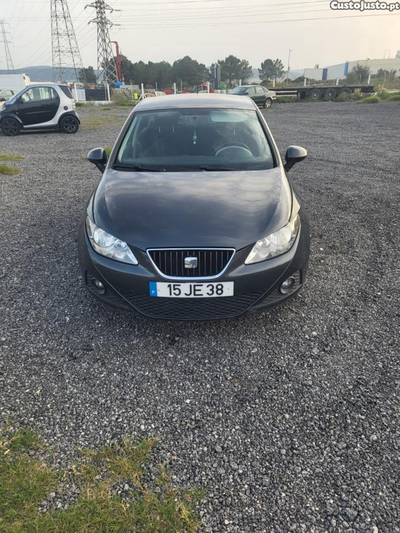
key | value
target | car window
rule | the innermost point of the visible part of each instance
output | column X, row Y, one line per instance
column 196, row 139
column 66, row 90
column 259, row 90
column 38, row 94
column 250, row 91
column 239, row 90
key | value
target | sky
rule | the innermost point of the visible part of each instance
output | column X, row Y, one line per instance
column 208, row 30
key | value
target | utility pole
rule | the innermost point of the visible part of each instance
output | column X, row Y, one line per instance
column 66, row 56
column 288, row 67
column 9, row 61
column 105, row 57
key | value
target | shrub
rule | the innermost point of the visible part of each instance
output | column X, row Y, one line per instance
column 383, row 95
column 394, row 98
column 343, row 97
column 370, row 100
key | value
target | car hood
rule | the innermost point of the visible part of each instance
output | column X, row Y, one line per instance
column 192, row 209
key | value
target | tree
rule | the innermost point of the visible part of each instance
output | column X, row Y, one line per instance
column 87, row 75
column 233, row 68
column 271, row 69
column 359, row 74
column 189, row 71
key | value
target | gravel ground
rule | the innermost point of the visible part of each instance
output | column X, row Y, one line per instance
column 286, row 419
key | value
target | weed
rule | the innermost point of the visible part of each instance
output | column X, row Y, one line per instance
column 9, row 157
column 8, row 170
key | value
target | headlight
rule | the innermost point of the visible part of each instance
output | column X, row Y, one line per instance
column 275, row 244
column 105, row 244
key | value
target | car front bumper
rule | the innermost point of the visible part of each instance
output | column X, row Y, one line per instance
column 257, row 286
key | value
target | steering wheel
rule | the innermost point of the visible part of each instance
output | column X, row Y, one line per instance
column 238, row 147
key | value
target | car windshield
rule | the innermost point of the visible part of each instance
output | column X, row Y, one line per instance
column 239, row 90
column 195, row 139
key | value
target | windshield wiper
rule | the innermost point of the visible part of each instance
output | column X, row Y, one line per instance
column 139, row 168
column 214, row 169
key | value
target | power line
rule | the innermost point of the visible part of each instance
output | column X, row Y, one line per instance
column 160, row 26
column 9, row 61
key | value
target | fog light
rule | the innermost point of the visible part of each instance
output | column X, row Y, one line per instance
column 287, row 285
column 98, row 284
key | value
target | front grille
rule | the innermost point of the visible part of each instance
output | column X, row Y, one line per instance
column 210, row 262
column 191, row 308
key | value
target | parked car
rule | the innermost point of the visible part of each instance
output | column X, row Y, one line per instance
column 43, row 106
column 6, row 94
column 262, row 96
column 194, row 217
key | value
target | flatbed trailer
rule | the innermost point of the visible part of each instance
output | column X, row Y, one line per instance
column 316, row 92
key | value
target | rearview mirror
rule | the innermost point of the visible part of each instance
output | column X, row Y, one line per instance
column 294, row 154
column 98, row 157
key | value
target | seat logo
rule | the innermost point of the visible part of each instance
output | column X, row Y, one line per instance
column 190, row 262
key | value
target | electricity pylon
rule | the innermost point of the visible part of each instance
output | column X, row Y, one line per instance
column 9, row 61
column 105, row 57
column 66, row 56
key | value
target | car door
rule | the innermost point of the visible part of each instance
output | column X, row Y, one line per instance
column 38, row 105
column 260, row 96
column 251, row 92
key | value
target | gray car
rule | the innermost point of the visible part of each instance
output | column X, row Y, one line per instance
column 194, row 217
column 260, row 95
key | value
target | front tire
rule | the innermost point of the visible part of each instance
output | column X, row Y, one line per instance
column 268, row 103
column 10, row 126
column 69, row 125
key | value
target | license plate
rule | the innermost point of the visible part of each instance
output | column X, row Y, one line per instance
column 191, row 290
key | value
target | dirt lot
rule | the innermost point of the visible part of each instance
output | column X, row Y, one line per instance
column 286, row 419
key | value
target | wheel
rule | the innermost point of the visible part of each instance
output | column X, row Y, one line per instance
column 330, row 94
column 69, row 124
column 268, row 103
column 10, row 126
column 315, row 94
column 345, row 91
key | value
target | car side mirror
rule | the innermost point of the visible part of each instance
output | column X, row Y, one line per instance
column 98, row 157
column 294, row 154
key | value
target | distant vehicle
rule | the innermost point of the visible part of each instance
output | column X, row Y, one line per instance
column 16, row 82
column 327, row 92
column 43, row 106
column 202, row 89
column 152, row 94
column 194, row 217
column 260, row 95
column 6, row 94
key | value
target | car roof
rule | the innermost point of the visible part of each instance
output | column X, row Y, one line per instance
column 45, row 84
column 194, row 100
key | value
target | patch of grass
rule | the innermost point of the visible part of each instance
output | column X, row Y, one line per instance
column 9, row 157
column 383, row 95
column 26, row 481
column 106, row 108
column 370, row 100
column 79, row 104
column 394, row 98
column 286, row 99
column 96, row 121
column 127, row 104
column 108, row 150
column 8, row 170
